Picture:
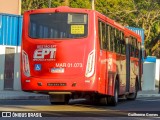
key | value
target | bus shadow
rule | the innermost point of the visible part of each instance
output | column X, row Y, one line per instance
column 85, row 103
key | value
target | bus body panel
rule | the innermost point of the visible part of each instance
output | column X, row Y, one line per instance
column 119, row 70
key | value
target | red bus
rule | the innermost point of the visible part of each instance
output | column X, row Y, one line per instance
column 73, row 53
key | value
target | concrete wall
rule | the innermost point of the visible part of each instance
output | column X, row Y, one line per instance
column 149, row 69
column 2, row 60
column 157, row 71
column 16, row 83
column 10, row 6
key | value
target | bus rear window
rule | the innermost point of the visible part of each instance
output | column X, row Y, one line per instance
column 58, row 25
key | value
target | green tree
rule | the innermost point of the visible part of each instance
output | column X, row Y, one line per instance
column 37, row 4
column 119, row 10
column 33, row 4
column 80, row 4
column 136, row 13
column 148, row 17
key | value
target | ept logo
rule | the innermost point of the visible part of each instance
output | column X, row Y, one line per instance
column 40, row 53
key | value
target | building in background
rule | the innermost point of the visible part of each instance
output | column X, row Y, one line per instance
column 10, row 40
column 10, row 6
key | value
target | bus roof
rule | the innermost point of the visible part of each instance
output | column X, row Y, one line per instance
column 60, row 9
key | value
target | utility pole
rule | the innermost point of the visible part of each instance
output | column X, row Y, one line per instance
column 159, row 76
column 49, row 3
column 159, row 62
column 93, row 4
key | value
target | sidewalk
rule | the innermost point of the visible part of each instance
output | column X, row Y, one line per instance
column 149, row 93
column 20, row 95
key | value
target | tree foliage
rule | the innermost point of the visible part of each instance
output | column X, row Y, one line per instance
column 33, row 4
column 80, row 4
column 136, row 13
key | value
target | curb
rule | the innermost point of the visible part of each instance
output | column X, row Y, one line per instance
column 34, row 97
column 148, row 96
column 20, row 95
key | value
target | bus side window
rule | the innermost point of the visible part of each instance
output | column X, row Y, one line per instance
column 140, row 51
column 122, row 45
column 137, row 50
column 102, row 35
column 104, row 43
column 135, row 47
column 108, row 36
column 131, row 46
column 117, row 41
column 112, row 32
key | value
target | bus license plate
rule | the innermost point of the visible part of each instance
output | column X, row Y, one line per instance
column 57, row 70
column 56, row 84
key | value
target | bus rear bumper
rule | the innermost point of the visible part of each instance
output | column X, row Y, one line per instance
column 58, row 85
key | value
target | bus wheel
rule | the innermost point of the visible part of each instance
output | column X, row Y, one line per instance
column 133, row 96
column 59, row 99
column 113, row 100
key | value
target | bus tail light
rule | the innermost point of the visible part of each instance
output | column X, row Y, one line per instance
column 25, row 63
column 90, row 64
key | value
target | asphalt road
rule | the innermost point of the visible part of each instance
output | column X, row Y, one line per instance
column 150, row 107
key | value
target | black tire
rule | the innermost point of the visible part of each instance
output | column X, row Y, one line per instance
column 113, row 100
column 133, row 96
